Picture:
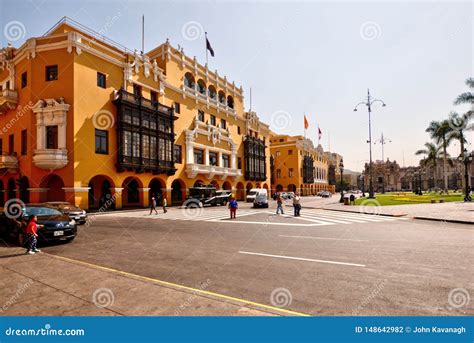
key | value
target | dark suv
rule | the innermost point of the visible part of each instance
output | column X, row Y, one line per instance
column 56, row 226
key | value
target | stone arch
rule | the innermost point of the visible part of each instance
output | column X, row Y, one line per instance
column 100, row 192
column 131, row 192
column 55, row 192
column 240, row 192
column 178, row 192
column 23, row 189
column 156, row 187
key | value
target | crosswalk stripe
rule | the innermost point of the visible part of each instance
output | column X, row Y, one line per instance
column 308, row 217
column 362, row 216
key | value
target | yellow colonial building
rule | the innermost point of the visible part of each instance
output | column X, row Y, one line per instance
column 298, row 166
column 91, row 122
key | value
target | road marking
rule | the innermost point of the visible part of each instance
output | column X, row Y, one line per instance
column 326, row 238
column 182, row 287
column 266, row 223
column 302, row 259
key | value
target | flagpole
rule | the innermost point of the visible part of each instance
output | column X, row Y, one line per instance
column 207, row 57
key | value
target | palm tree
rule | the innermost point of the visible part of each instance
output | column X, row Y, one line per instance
column 439, row 131
column 466, row 97
column 460, row 124
column 431, row 153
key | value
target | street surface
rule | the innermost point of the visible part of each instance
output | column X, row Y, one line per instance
column 322, row 263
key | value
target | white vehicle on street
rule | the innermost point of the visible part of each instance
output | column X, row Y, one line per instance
column 254, row 192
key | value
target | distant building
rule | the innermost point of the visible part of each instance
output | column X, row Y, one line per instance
column 386, row 176
column 296, row 165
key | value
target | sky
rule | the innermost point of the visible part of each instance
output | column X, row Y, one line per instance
column 302, row 57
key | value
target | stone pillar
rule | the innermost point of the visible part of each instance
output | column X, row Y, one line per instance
column 233, row 157
column 219, row 159
column 206, row 156
column 78, row 196
column 117, row 195
column 189, row 147
column 144, row 196
column 166, row 192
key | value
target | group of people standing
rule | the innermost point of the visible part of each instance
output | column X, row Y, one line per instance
column 296, row 204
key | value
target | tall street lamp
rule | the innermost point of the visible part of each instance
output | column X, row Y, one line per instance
column 467, row 160
column 369, row 102
column 341, row 169
column 383, row 140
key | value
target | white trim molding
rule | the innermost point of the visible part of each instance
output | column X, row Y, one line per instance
column 50, row 112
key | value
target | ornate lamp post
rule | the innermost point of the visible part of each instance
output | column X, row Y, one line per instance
column 341, row 169
column 383, row 140
column 467, row 160
column 369, row 102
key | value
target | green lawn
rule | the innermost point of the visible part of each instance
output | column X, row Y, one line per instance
column 401, row 198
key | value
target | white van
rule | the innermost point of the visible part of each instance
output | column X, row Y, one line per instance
column 254, row 192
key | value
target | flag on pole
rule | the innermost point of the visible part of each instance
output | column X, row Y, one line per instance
column 320, row 133
column 306, row 124
column 209, row 47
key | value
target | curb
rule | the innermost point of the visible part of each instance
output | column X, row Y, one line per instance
column 456, row 221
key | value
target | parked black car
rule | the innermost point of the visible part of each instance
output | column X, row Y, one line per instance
column 202, row 196
column 74, row 212
column 56, row 226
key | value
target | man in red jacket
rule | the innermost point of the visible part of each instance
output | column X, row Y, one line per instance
column 31, row 234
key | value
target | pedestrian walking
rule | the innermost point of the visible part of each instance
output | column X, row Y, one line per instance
column 296, row 205
column 153, row 206
column 165, row 204
column 233, row 206
column 279, row 204
column 31, row 234
column 352, row 198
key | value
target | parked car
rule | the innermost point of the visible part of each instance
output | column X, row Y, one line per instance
column 261, row 200
column 326, row 194
column 254, row 192
column 202, row 196
column 74, row 212
column 56, row 226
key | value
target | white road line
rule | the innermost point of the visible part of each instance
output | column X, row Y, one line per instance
column 361, row 216
column 322, row 222
column 325, row 238
column 310, row 217
column 302, row 259
column 267, row 223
